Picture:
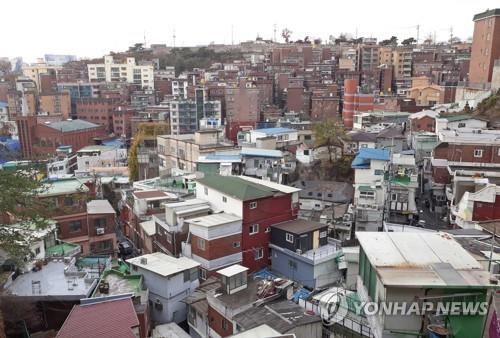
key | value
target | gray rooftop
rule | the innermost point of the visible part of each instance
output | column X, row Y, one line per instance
column 100, row 207
column 282, row 316
column 330, row 191
column 53, row 282
column 72, row 125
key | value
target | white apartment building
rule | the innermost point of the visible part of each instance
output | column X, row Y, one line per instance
column 169, row 280
column 369, row 167
column 129, row 72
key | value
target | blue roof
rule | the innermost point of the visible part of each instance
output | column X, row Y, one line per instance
column 223, row 158
column 3, row 104
column 365, row 155
column 261, row 152
column 272, row 131
column 117, row 142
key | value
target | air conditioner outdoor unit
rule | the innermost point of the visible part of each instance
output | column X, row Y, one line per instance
column 99, row 231
column 298, row 251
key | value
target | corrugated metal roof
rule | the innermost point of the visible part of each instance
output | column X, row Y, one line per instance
column 365, row 155
column 100, row 207
column 214, row 219
column 261, row 152
column 421, row 259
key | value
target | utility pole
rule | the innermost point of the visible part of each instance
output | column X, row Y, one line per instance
column 418, row 33
column 274, row 30
column 492, row 246
column 232, row 35
column 451, row 36
column 173, row 37
column 144, row 39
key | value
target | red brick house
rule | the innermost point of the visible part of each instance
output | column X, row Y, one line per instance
column 89, row 224
column 214, row 242
column 98, row 110
column 258, row 203
column 41, row 140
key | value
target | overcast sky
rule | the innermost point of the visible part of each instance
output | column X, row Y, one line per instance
column 91, row 28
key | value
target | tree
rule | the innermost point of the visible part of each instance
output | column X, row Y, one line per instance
column 19, row 201
column 409, row 41
column 393, row 41
column 317, row 41
column 137, row 47
column 329, row 134
column 286, row 34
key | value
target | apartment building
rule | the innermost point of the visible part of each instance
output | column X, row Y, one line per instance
column 41, row 140
column 169, row 280
column 214, row 241
column 354, row 102
column 36, row 70
column 58, row 104
column 258, row 203
column 91, row 225
column 485, row 45
column 242, row 108
column 128, row 71
column 370, row 166
column 98, row 110
column 179, row 153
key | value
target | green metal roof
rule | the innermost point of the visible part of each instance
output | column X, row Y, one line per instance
column 365, row 188
column 64, row 186
column 73, row 125
column 401, row 180
column 491, row 12
column 237, row 187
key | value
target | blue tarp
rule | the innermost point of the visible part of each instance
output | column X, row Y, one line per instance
column 264, row 274
column 301, row 294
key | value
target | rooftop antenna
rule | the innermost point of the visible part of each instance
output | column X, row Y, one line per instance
column 232, row 35
column 144, row 39
column 418, row 33
column 274, row 29
column 356, row 35
column 451, row 36
column 173, row 37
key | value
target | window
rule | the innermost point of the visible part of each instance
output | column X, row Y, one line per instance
column 75, row 226
column 203, row 274
column 289, row 237
column 317, row 205
column 268, row 229
column 498, row 151
column 253, row 205
column 367, row 194
column 253, row 229
column 292, row 265
column 236, row 244
column 68, row 201
column 37, row 251
column 224, row 324
column 224, row 199
column 478, row 152
column 205, row 190
column 322, row 234
column 201, row 244
column 378, row 172
column 394, row 197
column 100, row 222
column 259, row 253
column 461, row 125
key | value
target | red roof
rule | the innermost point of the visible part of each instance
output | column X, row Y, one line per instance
column 110, row 319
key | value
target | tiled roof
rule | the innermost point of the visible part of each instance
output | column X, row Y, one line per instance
column 111, row 319
column 237, row 187
column 73, row 125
